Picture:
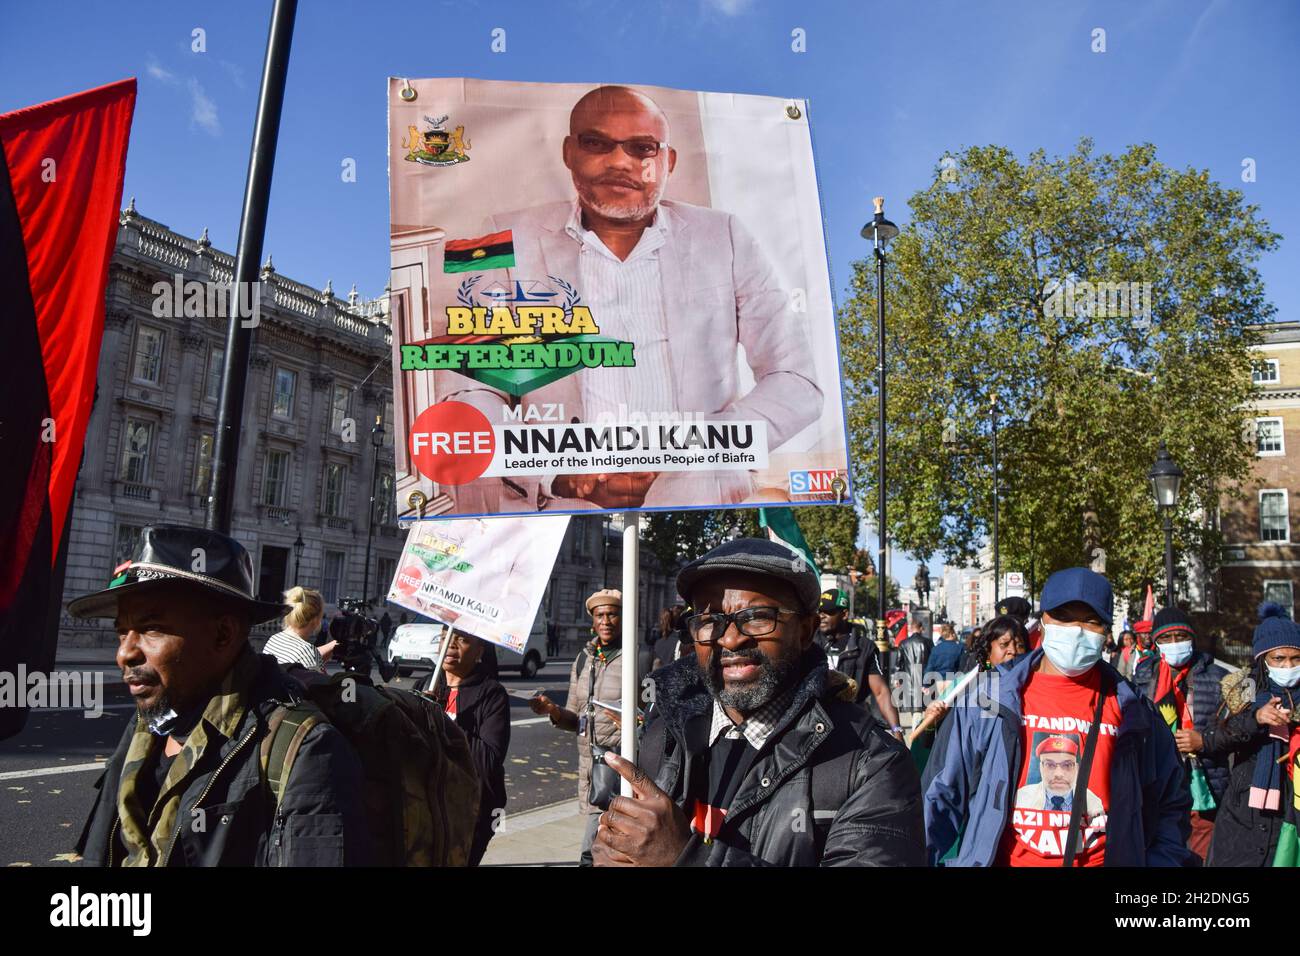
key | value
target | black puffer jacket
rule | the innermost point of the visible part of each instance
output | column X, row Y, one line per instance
column 321, row 820
column 1205, row 678
column 1243, row 836
column 875, row 818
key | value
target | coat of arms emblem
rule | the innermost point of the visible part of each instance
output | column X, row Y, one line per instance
column 436, row 146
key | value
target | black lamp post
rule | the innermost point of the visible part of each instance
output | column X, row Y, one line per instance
column 298, row 545
column 997, row 555
column 1166, row 478
column 377, row 441
column 880, row 230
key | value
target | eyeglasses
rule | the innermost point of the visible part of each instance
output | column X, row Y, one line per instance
column 750, row 621
column 636, row 148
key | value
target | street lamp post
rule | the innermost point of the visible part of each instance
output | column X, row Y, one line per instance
column 376, row 441
column 1166, row 479
column 997, row 556
column 880, row 230
column 298, row 545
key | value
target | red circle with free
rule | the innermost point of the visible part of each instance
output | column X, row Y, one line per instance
column 452, row 443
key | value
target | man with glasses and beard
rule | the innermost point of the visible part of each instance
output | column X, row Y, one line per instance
column 185, row 786
column 753, row 759
column 688, row 285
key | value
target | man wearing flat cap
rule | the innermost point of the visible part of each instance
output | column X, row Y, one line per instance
column 754, row 759
column 185, row 785
column 595, row 679
column 1095, row 778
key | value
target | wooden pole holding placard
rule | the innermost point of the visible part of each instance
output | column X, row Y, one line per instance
column 631, row 590
column 443, row 644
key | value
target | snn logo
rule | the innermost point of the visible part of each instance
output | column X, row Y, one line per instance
column 817, row 482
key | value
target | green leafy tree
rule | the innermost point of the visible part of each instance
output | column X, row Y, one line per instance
column 677, row 536
column 1011, row 284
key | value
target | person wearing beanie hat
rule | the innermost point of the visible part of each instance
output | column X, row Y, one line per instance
column 595, row 679
column 753, row 732
column 1259, row 818
column 1186, row 687
column 1061, row 694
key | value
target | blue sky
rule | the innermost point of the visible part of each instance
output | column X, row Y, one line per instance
column 892, row 88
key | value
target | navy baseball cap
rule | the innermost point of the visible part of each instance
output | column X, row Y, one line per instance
column 1079, row 584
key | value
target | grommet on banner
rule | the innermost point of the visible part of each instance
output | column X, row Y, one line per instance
column 837, row 486
column 407, row 92
column 417, row 500
column 792, row 110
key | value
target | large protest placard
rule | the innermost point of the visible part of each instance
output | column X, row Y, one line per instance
column 608, row 299
column 483, row 576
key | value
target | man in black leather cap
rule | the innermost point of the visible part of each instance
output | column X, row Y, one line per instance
column 184, row 786
column 754, row 759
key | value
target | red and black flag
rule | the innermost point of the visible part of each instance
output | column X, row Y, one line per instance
column 495, row 251
column 61, row 168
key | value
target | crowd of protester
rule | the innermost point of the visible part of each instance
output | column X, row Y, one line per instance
column 1035, row 739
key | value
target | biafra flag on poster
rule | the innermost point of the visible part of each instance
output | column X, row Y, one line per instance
column 494, row 251
column 61, row 168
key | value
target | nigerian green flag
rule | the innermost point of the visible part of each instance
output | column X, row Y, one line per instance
column 781, row 526
column 1288, row 847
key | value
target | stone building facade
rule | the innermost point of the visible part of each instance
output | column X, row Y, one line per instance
column 319, row 377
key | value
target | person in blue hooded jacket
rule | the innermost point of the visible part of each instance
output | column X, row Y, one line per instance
column 1020, row 777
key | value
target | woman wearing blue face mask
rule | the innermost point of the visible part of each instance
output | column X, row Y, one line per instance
column 1258, row 817
column 1185, row 686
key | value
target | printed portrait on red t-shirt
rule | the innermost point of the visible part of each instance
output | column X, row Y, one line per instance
column 1057, row 714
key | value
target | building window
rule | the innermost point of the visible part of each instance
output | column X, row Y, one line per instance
column 339, row 407
column 336, row 480
column 332, row 579
column 203, row 465
column 212, row 385
column 387, row 571
column 137, row 451
column 275, row 476
column 1268, row 436
column 286, row 383
column 1281, row 592
column 581, row 540
column 1265, row 372
column 146, row 364
column 1274, row 516
column 389, row 425
column 128, row 541
column 384, row 499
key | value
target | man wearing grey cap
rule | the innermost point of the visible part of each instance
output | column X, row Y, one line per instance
column 753, row 759
column 1126, row 803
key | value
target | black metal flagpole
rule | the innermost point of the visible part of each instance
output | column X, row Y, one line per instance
column 248, row 257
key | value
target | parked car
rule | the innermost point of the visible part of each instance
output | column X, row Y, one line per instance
column 415, row 646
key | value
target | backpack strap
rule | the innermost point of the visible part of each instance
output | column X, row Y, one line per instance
column 1080, row 799
column 286, row 729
